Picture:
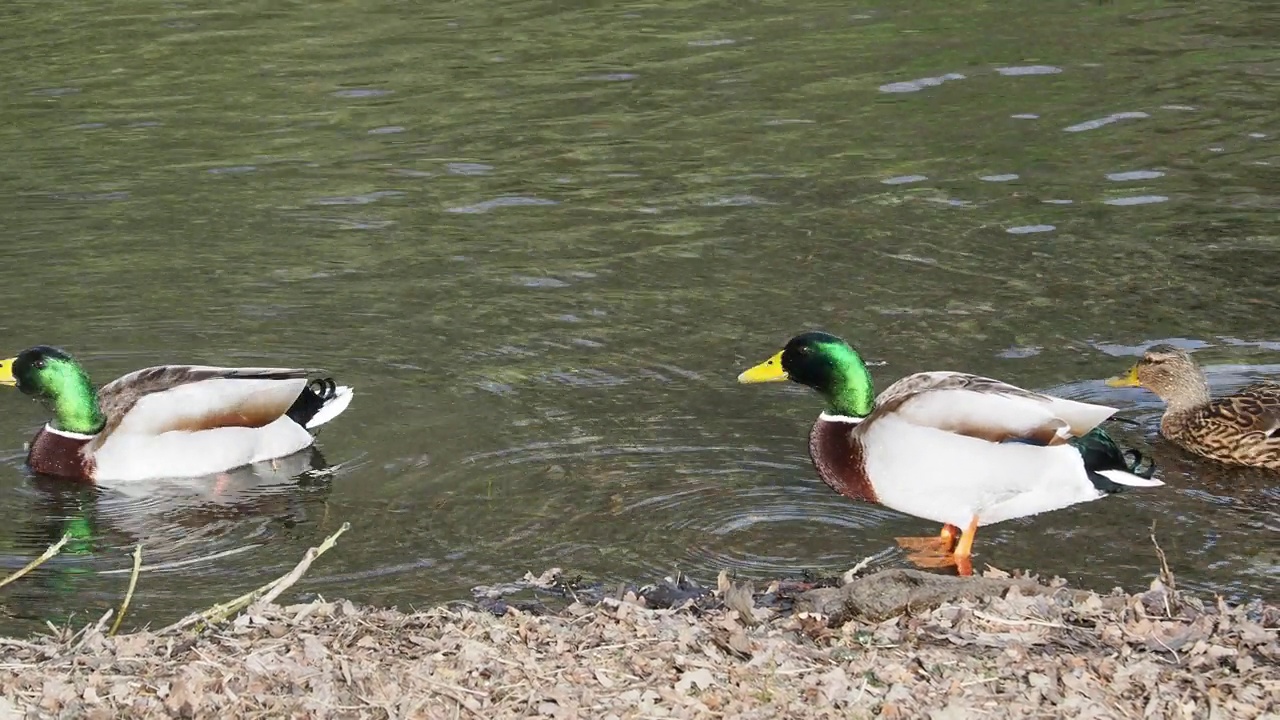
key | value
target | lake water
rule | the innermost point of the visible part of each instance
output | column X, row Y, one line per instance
column 541, row 240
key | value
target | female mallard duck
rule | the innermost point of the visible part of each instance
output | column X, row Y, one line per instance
column 170, row 420
column 958, row 449
column 1238, row 429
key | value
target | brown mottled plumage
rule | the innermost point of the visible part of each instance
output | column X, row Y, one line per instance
column 1238, row 429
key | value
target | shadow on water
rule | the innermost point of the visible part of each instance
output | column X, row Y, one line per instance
column 541, row 240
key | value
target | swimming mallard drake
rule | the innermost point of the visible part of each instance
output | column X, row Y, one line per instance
column 1238, row 429
column 169, row 420
column 958, row 449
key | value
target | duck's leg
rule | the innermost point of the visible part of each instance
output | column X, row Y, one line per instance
column 941, row 544
column 958, row 557
column 965, row 547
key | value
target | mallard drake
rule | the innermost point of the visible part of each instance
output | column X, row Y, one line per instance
column 168, row 420
column 958, row 449
column 1238, row 429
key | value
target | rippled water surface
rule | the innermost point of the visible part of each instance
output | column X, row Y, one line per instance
column 541, row 240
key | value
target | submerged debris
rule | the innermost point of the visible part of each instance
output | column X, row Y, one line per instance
column 896, row 644
column 551, row 592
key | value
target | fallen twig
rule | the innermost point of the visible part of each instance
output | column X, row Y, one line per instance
column 128, row 594
column 222, row 611
column 89, row 631
column 1009, row 621
column 852, row 572
column 294, row 575
column 52, row 550
column 172, row 565
column 1166, row 575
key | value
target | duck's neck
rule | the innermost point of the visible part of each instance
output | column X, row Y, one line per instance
column 75, row 404
column 1187, row 394
column 851, row 393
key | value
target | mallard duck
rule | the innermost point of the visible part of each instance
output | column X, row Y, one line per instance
column 958, row 449
column 168, row 420
column 1238, row 429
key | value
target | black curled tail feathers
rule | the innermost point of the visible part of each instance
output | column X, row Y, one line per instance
column 1135, row 465
column 1133, row 458
column 325, row 388
column 1101, row 453
column 311, row 399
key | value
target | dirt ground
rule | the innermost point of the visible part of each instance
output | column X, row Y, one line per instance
column 894, row 644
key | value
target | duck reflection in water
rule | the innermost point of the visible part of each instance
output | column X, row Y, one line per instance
column 178, row 522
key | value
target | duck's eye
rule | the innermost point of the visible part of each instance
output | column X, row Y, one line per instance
column 38, row 364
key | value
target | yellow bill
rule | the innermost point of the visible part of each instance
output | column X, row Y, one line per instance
column 768, row 371
column 1129, row 379
column 6, row 372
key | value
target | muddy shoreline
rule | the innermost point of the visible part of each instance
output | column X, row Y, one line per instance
column 895, row 644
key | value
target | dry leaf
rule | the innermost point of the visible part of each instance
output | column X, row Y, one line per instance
column 55, row 693
column 313, row 649
column 700, row 679
column 738, row 597
column 183, row 698
column 835, row 686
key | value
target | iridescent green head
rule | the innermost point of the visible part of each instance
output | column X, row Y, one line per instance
column 55, row 377
column 825, row 363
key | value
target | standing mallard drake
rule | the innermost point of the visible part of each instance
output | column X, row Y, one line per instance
column 954, row 448
column 170, row 420
column 1238, row 429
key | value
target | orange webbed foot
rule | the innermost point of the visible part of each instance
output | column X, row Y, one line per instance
column 965, row 547
column 944, row 550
